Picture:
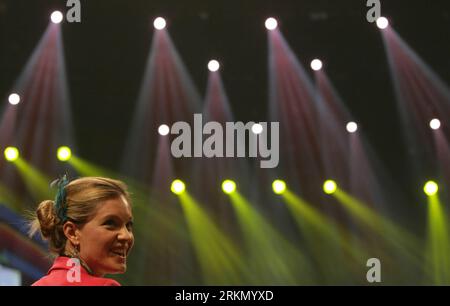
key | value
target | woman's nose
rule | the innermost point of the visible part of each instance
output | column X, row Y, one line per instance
column 125, row 234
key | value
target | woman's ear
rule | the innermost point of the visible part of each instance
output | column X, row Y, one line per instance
column 71, row 232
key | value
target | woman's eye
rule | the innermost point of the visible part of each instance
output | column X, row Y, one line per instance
column 130, row 226
column 109, row 223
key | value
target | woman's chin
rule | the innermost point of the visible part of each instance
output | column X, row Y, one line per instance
column 118, row 268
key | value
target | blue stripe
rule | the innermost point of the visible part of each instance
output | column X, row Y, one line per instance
column 20, row 224
column 23, row 266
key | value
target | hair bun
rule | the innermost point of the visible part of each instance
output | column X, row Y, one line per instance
column 47, row 218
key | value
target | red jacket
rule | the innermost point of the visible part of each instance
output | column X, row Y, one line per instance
column 62, row 274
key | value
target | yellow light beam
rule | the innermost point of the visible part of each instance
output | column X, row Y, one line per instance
column 36, row 182
column 336, row 250
column 438, row 250
column 86, row 168
column 399, row 239
column 220, row 260
column 9, row 199
column 273, row 259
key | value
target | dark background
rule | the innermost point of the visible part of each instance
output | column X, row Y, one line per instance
column 106, row 55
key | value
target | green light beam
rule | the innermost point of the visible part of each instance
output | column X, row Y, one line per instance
column 336, row 252
column 272, row 259
column 220, row 260
column 407, row 245
column 438, row 255
column 36, row 182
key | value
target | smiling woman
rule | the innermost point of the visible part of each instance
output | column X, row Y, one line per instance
column 89, row 229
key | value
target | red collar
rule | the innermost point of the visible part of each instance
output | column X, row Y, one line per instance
column 57, row 275
column 63, row 263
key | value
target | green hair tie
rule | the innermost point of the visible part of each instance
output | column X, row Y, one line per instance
column 60, row 199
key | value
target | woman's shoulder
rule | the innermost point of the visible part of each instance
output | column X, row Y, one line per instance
column 63, row 273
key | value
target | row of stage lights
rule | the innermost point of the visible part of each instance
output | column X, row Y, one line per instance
column 351, row 127
column 63, row 154
column 163, row 129
column 279, row 187
column 257, row 128
column 160, row 23
column 228, row 186
column 271, row 24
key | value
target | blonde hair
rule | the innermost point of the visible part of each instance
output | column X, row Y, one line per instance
column 83, row 197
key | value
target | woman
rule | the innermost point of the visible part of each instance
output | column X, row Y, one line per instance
column 89, row 229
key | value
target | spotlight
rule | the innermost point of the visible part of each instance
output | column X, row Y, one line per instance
column 64, row 153
column 56, row 17
column 257, row 128
column 271, row 24
column 435, row 124
column 316, row 64
column 159, row 23
column 213, row 65
column 352, row 127
column 178, row 187
column 329, row 187
column 430, row 188
column 228, row 186
column 382, row 23
column 163, row 129
column 14, row 99
column 11, row 154
column 279, row 186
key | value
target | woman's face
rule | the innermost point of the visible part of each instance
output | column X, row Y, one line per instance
column 107, row 238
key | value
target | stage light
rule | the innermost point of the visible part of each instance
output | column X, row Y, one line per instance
column 178, row 187
column 64, row 153
column 271, row 24
column 382, row 23
column 159, row 23
column 228, row 186
column 316, row 64
column 163, row 129
column 279, row 186
column 14, row 99
column 11, row 154
column 352, row 127
column 56, row 17
column 213, row 65
column 435, row 124
column 257, row 128
column 329, row 187
column 430, row 188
